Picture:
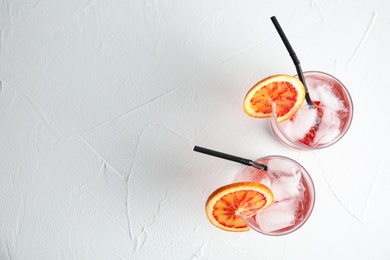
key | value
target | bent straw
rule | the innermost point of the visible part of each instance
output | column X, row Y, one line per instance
column 294, row 58
column 231, row 158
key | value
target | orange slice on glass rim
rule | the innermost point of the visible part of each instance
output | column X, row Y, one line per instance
column 287, row 92
column 226, row 204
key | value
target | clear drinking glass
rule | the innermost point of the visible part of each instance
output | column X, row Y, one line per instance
column 293, row 191
column 316, row 128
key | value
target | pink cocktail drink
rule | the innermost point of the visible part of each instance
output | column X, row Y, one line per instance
column 315, row 128
column 293, row 191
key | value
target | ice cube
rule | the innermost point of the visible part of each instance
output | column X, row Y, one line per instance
column 303, row 121
column 277, row 216
column 265, row 179
column 287, row 128
column 285, row 179
column 328, row 98
column 286, row 188
column 312, row 83
column 280, row 167
column 255, row 175
column 329, row 127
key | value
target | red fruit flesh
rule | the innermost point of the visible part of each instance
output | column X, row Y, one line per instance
column 309, row 137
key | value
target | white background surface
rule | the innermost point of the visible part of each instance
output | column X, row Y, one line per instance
column 101, row 103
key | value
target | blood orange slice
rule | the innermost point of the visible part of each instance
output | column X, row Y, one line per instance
column 308, row 139
column 225, row 205
column 287, row 92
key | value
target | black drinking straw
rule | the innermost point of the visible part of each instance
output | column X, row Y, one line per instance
column 231, row 158
column 294, row 58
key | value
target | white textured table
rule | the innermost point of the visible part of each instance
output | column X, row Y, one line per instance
column 101, row 103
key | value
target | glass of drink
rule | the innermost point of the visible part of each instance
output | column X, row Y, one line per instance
column 315, row 128
column 293, row 192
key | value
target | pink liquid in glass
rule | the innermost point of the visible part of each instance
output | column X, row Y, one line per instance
column 320, row 127
column 293, row 191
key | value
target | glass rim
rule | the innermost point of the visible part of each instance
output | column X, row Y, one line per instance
column 296, row 145
column 309, row 181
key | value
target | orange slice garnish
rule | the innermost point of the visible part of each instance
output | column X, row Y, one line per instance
column 287, row 92
column 226, row 204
